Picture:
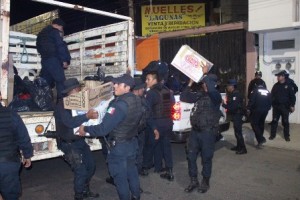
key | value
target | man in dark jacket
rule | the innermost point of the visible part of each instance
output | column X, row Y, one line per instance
column 254, row 82
column 258, row 107
column 160, row 100
column 120, row 123
column 13, row 139
column 76, row 151
column 204, row 119
column 234, row 106
column 283, row 103
column 54, row 53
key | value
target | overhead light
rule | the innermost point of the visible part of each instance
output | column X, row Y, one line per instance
column 288, row 65
column 278, row 65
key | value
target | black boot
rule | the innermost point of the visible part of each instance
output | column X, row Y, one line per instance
column 193, row 184
column 88, row 194
column 78, row 196
column 168, row 175
column 110, row 180
column 204, row 186
column 242, row 151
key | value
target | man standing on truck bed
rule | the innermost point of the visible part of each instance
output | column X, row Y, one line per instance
column 76, row 151
column 55, row 54
column 13, row 138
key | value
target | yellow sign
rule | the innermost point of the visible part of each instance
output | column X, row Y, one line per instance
column 170, row 17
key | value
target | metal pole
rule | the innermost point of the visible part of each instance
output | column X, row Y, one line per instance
column 84, row 9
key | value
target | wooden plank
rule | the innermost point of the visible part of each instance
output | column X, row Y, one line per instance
column 122, row 26
column 98, row 42
column 28, row 65
column 203, row 30
column 20, row 50
column 99, row 51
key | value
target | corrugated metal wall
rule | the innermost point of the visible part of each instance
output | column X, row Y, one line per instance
column 227, row 50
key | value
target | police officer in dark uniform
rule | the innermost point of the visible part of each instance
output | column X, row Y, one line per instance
column 204, row 119
column 234, row 106
column 120, row 123
column 76, row 151
column 160, row 100
column 283, row 103
column 254, row 82
column 139, row 90
column 258, row 107
column 54, row 53
column 13, row 139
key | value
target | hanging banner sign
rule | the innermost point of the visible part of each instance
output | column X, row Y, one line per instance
column 171, row 17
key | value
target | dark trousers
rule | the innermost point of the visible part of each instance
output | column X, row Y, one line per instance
column 283, row 112
column 139, row 156
column 148, row 151
column 237, row 127
column 163, row 149
column 258, row 118
column 79, row 156
column 122, row 167
column 204, row 143
column 53, row 72
column 10, row 186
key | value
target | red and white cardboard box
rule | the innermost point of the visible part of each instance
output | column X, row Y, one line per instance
column 188, row 61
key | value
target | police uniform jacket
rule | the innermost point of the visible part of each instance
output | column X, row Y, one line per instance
column 283, row 94
column 260, row 99
column 234, row 103
column 253, row 84
column 160, row 100
column 50, row 44
column 13, row 137
column 191, row 97
column 120, row 120
column 65, row 123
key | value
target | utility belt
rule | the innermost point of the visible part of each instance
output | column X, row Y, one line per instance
column 10, row 159
column 68, row 141
column 112, row 142
column 203, row 130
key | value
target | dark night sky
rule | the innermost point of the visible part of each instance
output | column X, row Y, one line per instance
column 75, row 20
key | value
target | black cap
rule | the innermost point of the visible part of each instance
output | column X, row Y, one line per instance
column 281, row 73
column 139, row 84
column 108, row 79
column 59, row 22
column 258, row 73
column 70, row 84
column 125, row 78
column 232, row 82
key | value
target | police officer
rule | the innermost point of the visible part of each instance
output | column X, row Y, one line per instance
column 258, row 107
column 234, row 107
column 76, row 151
column 54, row 53
column 283, row 103
column 291, row 82
column 160, row 100
column 120, row 124
column 204, row 119
column 139, row 90
column 254, row 82
column 13, row 139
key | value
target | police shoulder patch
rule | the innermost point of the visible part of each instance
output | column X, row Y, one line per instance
column 111, row 110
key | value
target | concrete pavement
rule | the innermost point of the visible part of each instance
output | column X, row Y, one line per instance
column 278, row 142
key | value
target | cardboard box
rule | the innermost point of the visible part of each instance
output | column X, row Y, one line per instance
column 189, row 61
column 89, row 97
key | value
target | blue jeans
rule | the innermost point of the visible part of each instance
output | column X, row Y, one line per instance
column 204, row 143
column 53, row 72
column 10, row 186
column 79, row 156
column 122, row 167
